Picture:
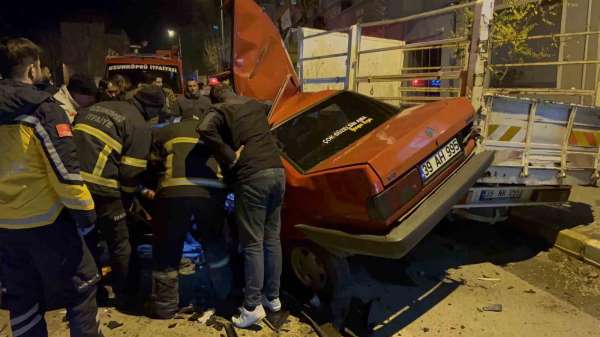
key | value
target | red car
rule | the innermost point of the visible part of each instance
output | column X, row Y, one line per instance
column 363, row 177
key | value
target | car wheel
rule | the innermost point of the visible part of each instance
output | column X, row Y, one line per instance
column 316, row 268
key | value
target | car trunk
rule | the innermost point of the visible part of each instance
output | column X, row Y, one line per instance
column 405, row 140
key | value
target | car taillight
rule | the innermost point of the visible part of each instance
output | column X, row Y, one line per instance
column 384, row 204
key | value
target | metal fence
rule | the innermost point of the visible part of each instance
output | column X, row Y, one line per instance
column 429, row 70
column 462, row 66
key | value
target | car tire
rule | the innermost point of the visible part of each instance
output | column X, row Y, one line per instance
column 317, row 269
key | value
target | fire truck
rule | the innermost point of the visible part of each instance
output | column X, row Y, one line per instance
column 140, row 67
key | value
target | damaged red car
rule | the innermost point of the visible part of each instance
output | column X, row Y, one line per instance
column 363, row 177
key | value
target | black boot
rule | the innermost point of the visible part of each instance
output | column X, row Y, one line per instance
column 164, row 300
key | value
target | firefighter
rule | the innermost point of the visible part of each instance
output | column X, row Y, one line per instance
column 238, row 134
column 113, row 141
column 43, row 203
column 189, row 192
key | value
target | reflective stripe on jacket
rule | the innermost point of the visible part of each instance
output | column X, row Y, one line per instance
column 39, row 169
column 180, row 163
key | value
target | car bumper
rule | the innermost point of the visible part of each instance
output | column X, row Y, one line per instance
column 411, row 229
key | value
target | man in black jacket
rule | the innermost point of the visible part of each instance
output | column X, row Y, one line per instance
column 189, row 191
column 113, row 142
column 193, row 100
column 238, row 133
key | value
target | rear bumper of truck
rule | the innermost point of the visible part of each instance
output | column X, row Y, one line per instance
column 411, row 229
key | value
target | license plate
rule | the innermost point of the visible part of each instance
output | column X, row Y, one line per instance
column 504, row 194
column 439, row 159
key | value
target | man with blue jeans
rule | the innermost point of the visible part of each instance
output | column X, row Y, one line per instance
column 237, row 131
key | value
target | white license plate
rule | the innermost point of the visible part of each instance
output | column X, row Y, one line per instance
column 439, row 159
column 504, row 194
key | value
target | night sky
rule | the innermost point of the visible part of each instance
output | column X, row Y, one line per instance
column 140, row 19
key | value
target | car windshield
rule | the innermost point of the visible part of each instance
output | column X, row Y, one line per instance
column 140, row 73
column 320, row 132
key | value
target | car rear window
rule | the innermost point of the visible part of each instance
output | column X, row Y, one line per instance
column 320, row 132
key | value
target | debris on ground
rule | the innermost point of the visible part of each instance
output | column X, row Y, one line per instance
column 275, row 320
column 493, row 307
column 189, row 309
column 114, row 324
column 530, row 291
column 425, row 329
column 327, row 330
column 206, row 315
column 171, row 326
column 493, row 279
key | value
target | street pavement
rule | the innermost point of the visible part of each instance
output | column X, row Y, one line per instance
column 451, row 279
column 574, row 227
column 443, row 288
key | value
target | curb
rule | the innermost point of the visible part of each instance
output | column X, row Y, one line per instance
column 567, row 240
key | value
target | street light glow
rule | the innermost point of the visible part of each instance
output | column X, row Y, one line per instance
column 171, row 32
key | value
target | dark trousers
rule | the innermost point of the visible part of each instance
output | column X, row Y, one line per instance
column 173, row 220
column 112, row 227
column 48, row 263
column 258, row 203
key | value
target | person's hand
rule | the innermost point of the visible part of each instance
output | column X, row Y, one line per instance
column 238, row 153
column 148, row 193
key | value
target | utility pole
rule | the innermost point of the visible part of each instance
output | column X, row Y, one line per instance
column 222, row 49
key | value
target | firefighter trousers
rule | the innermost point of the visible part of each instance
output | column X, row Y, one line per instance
column 173, row 220
column 48, row 266
column 112, row 225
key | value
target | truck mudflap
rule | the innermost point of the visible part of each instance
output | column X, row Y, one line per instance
column 411, row 229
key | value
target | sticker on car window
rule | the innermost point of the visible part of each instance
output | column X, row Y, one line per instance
column 352, row 126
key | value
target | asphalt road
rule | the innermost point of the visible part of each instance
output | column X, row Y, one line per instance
column 443, row 288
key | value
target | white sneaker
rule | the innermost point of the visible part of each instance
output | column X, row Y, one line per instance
column 274, row 305
column 248, row 318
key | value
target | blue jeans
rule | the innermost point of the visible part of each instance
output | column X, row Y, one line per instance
column 258, row 203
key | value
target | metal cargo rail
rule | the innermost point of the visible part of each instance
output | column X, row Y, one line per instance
column 540, row 142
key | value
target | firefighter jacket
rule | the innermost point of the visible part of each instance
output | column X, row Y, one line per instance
column 181, row 164
column 113, row 142
column 39, row 170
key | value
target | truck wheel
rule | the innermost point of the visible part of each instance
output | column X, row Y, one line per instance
column 318, row 269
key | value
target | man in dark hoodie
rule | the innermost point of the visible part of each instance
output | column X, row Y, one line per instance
column 43, row 201
column 113, row 141
column 238, row 133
